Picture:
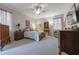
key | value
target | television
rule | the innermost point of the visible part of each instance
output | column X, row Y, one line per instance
column 72, row 15
column 77, row 11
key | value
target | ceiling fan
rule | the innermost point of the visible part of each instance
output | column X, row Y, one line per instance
column 38, row 8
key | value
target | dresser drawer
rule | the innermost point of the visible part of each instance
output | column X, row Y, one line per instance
column 18, row 35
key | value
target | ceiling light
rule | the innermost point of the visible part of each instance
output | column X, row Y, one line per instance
column 38, row 8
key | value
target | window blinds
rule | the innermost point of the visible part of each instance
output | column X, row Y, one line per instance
column 6, row 18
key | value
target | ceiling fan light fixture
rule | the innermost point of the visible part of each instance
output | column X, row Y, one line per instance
column 38, row 8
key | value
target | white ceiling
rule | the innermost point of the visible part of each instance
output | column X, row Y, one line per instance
column 52, row 9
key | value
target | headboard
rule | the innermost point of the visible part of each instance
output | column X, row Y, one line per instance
column 4, row 35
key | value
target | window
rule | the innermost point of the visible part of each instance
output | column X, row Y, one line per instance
column 6, row 18
column 57, row 24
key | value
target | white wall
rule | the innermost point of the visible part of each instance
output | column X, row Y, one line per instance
column 18, row 18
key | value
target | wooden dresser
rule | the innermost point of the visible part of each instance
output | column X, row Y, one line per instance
column 4, row 35
column 69, row 42
column 18, row 35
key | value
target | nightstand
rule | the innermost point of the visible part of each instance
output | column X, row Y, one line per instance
column 18, row 35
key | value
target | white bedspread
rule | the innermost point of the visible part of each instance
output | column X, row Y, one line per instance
column 32, row 34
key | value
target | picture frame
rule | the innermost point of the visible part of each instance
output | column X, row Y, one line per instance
column 27, row 23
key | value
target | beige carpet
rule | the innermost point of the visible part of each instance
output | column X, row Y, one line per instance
column 47, row 46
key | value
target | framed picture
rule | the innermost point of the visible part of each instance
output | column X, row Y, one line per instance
column 27, row 23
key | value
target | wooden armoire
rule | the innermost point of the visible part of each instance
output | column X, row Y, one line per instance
column 46, row 27
column 4, row 35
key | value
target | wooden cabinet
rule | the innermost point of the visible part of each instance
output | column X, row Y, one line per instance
column 46, row 27
column 4, row 35
column 69, row 42
column 18, row 35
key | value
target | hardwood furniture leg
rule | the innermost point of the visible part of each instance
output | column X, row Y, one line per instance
column 60, row 50
column 60, row 53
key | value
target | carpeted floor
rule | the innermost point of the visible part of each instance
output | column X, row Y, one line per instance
column 47, row 46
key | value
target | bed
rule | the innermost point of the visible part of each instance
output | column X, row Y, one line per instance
column 32, row 35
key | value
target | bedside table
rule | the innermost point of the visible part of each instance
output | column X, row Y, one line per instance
column 18, row 35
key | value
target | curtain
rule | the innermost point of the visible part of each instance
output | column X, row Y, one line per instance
column 6, row 18
column 57, row 24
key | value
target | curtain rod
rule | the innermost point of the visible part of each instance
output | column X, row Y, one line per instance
column 5, row 10
column 58, row 16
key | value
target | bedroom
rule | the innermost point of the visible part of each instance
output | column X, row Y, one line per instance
column 38, row 22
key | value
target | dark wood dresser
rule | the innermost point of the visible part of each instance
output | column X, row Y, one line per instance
column 69, row 42
column 18, row 35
